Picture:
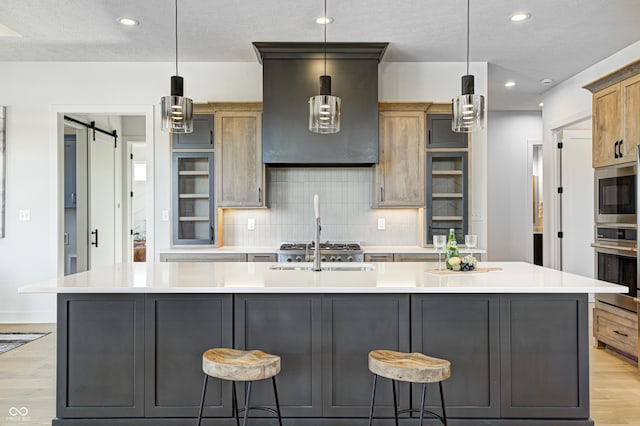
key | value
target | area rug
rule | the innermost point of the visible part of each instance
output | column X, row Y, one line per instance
column 10, row 341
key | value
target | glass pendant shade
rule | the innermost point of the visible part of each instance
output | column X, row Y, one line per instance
column 468, row 109
column 176, row 110
column 324, row 109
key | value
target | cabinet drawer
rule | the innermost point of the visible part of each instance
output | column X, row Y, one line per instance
column 615, row 331
column 415, row 257
column 378, row 257
column 261, row 257
column 203, row 257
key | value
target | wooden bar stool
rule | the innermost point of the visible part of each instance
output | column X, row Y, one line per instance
column 409, row 367
column 241, row 366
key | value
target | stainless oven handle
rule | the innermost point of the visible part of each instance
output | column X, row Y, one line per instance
column 631, row 249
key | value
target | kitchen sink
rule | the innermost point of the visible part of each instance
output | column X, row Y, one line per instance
column 336, row 267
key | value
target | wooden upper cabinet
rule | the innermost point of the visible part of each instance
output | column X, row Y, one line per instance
column 240, row 174
column 616, row 116
column 399, row 177
column 607, row 126
column 630, row 89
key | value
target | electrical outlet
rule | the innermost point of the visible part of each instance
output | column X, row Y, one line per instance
column 165, row 215
column 251, row 224
column 381, row 224
column 24, row 215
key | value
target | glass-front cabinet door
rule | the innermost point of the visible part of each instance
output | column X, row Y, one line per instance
column 447, row 194
column 193, row 207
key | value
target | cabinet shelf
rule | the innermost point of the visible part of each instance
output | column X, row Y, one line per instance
column 447, row 172
column 193, row 173
column 193, row 195
column 448, row 218
column 448, row 195
column 193, row 219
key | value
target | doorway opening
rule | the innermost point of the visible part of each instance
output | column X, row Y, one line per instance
column 106, row 186
column 537, row 186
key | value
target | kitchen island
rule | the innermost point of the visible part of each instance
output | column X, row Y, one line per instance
column 131, row 336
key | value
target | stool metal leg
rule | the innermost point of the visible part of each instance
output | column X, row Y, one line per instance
column 235, row 404
column 395, row 401
column 444, row 412
column 424, row 392
column 204, row 392
column 275, row 393
column 373, row 397
column 246, row 405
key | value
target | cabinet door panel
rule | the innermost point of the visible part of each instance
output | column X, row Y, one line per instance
column 288, row 326
column 544, row 356
column 353, row 325
column 240, row 169
column 607, row 126
column 101, row 337
column 193, row 207
column 440, row 134
column 399, row 175
column 463, row 330
column 631, row 97
column 447, row 194
column 200, row 138
column 179, row 328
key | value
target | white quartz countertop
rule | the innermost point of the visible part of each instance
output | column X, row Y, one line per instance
column 228, row 277
column 262, row 250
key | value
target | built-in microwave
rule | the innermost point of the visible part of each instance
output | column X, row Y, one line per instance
column 615, row 194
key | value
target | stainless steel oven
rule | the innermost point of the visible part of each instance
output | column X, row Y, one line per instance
column 615, row 194
column 617, row 263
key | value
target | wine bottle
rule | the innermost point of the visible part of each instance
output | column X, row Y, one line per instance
column 451, row 249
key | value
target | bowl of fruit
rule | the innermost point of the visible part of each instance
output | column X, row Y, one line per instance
column 464, row 264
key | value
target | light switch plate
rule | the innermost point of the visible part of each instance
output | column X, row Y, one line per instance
column 165, row 215
column 24, row 215
column 251, row 224
column 381, row 224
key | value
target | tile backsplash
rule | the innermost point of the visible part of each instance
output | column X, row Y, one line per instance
column 345, row 211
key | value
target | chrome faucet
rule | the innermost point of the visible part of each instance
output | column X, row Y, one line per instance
column 316, row 236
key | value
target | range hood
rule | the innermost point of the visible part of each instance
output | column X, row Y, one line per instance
column 291, row 75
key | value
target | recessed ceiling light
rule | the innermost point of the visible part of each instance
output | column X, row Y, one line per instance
column 323, row 20
column 541, row 104
column 546, row 81
column 520, row 16
column 129, row 22
column 7, row 32
column 510, row 84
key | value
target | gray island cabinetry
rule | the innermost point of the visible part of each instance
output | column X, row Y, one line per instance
column 130, row 341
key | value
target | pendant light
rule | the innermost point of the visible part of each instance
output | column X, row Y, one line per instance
column 468, row 108
column 324, row 109
column 177, row 111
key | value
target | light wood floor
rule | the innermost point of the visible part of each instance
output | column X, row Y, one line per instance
column 27, row 379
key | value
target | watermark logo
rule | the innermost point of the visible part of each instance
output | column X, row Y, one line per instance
column 18, row 414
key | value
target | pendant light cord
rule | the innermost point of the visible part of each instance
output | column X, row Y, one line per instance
column 325, row 37
column 177, row 37
column 467, row 36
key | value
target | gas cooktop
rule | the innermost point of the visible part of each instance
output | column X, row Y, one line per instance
column 343, row 251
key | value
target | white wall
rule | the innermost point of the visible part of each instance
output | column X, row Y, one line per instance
column 34, row 91
column 508, row 179
column 565, row 104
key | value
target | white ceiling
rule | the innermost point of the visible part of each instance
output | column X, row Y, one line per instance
column 562, row 38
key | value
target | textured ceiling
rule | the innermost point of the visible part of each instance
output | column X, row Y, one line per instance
column 562, row 38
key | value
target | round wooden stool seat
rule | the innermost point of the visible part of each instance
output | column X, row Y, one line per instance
column 408, row 367
column 236, row 365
